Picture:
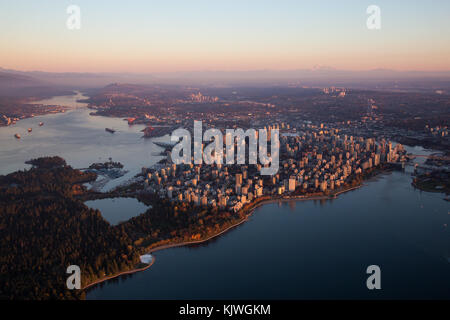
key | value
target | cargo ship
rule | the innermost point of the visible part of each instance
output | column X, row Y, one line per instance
column 110, row 130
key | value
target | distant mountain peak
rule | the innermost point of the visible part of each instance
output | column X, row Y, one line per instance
column 319, row 67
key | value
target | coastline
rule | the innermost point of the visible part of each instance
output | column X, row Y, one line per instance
column 163, row 247
column 118, row 275
column 251, row 209
column 44, row 108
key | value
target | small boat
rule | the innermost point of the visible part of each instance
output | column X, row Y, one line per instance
column 110, row 130
column 17, row 136
column 29, row 129
column 41, row 124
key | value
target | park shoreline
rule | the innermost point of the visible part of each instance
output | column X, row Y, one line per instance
column 251, row 209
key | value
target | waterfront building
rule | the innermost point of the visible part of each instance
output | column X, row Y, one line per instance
column 292, row 184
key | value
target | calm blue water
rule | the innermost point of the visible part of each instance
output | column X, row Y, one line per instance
column 312, row 249
column 116, row 210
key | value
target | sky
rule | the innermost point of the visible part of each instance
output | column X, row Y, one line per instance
column 147, row 36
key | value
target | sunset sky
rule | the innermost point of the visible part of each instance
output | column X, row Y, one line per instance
column 181, row 35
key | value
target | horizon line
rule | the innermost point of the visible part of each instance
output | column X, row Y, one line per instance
column 313, row 69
